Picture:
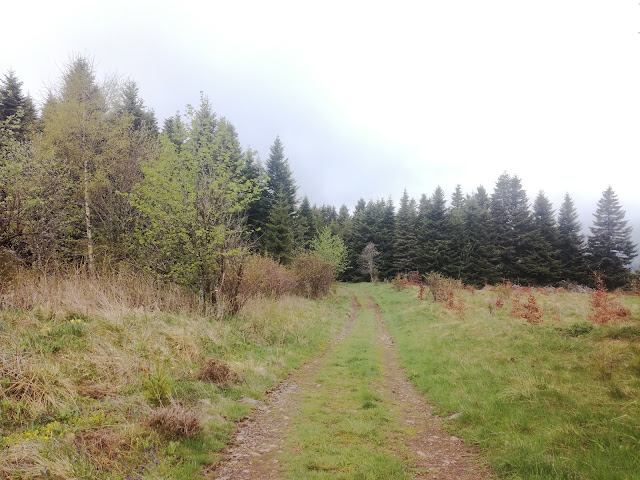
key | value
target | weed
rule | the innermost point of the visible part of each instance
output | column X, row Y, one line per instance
column 158, row 387
column 576, row 329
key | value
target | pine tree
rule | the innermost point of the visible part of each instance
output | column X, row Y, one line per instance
column 512, row 226
column 385, row 238
column 454, row 236
column 457, row 199
column 281, row 180
column 571, row 244
column 356, row 238
column 610, row 249
column 406, row 244
column 176, row 130
column 432, row 234
column 16, row 106
column 477, row 250
column 278, row 235
column 131, row 104
column 544, row 262
column 305, row 229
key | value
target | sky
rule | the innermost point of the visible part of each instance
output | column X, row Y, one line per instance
column 369, row 97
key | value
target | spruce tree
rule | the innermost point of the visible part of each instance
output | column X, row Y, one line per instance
column 281, row 182
column 16, row 106
column 422, row 233
column 131, row 104
column 477, row 250
column 305, row 229
column 512, row 226
column 544, row 262
column 278, row 235
column 433, row 241
column 610, row 249
column 571, row 244
column 406, row 244
column 454, row 236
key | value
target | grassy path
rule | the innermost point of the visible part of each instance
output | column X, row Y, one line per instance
column 349, row 414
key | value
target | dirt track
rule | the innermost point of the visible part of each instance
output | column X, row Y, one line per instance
column 423, row 444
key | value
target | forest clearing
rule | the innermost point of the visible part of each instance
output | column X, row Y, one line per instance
column 479, row 385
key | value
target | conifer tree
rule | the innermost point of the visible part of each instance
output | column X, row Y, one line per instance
column 454, row 236
column 406, row 244
column 176, row 130
column 278, row 235
column 433, row 240
column 17, row 106
column 305, row 229
column 422, row 233
column 131, row 104
column 544, row 262
column 477, row 251
column 512, row 225
column 610, row 249
column 281, row 182
column 356, row 238
column 571, row 244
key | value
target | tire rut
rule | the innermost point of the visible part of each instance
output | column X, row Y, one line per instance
column 257, row 442
column 434, row 453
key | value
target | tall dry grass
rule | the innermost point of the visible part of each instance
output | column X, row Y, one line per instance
column 117, row 291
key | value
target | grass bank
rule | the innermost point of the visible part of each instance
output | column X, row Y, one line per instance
column 116, row 393
column 556, row 400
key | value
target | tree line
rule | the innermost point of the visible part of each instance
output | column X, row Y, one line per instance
column 93, row 181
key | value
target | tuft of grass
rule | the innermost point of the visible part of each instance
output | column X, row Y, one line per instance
column 175, row 421
column 217, row 372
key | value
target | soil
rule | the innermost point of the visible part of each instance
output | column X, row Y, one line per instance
column 422, row 442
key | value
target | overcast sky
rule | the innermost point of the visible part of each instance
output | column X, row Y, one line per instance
column 373, row 97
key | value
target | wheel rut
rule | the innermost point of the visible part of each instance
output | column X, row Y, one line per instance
column 258, row 440
column 434, row 453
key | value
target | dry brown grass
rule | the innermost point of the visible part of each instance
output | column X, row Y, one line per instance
column 217, row 372
column 175, row 421
column 124, row 290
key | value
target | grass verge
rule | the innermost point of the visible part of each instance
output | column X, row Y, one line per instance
column 115, row 394
column 558, row 400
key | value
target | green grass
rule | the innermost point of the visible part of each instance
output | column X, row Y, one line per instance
column 344, row 428
column 552, row 401
column 77, row 389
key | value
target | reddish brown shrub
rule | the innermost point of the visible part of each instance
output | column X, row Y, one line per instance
column 314, row 275
column 104, row 446
column 454, row 304
column 217, row 372
column 606, row 309
column 175, row 421
column 528, row 310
